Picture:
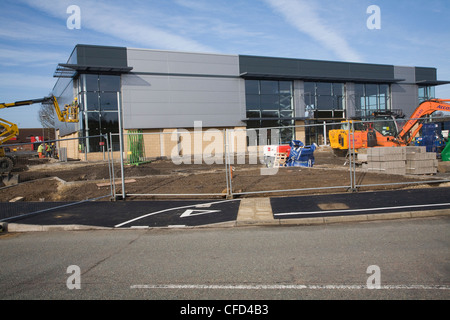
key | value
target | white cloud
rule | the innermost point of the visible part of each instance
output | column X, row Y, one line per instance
column 302, row 15
column 29, row 57
column 118, row 20
column 22, row 81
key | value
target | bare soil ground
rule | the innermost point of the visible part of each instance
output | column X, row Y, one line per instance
column 51, row 180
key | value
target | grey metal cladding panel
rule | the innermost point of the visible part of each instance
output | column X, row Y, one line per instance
column 156, row 61
column 404, row 97
column 267, row 65
column 178, row 101
column 161, row 121
column 407, row 73
column 371, row 71
column 102, row 56
column 314, row 68
column 198, row 63
column 310, row 68
column 426, row 74
column 148, row 60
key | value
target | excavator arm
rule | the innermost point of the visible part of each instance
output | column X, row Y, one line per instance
column 424, row 109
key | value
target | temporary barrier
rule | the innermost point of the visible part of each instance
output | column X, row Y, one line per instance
column 61, row 177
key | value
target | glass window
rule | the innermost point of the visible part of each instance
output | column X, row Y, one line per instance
column 91, row 82
column 252, row 101
column 323, row 89
column 359, row 90
column 286, row 87
column 93, row 123
column 253, row 114
column 285, row 102
column 109, row 83
column 109, row 122
column 371, row 90
column 108, row 101
column 371, row 97
column 426, row 93
column 92, row 102
column 324, row 96
column 269, row 87
column 270, row 102
column 252, row 87
column 325, row 102
column 310, row 88
column 286, row 113
column 270, row 114
column 338, row 89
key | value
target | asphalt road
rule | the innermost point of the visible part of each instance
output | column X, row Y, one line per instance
column 239, row 264
column 148, row 214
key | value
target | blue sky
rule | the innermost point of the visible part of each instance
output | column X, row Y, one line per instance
column 34, row 35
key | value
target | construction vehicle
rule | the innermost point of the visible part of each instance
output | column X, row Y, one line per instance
column 9, row 130
column 383, row 130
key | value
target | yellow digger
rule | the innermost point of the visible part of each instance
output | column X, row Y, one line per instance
column 9, row 130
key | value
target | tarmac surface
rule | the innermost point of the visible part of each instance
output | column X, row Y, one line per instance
column 293, row 210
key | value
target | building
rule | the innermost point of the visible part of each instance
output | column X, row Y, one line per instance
column 160, row 91
column 29, row 139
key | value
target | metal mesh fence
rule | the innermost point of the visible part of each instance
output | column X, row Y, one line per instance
column 314, row 158
column 53, row 174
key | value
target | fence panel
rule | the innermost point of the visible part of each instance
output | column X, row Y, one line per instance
column 396, row 161
column 173, row 163
column 63, row 175
column 276, row 161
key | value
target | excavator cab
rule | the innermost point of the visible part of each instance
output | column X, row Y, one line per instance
column 385, row 125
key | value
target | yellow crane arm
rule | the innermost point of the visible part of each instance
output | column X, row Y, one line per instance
column 69, row 114
column 10, row 130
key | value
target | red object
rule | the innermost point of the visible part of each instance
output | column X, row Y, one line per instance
column 284, row 149
column 35, row 139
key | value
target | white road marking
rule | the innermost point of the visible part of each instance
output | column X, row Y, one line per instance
column 359, row 210
column 169, row 209
column 286, row 287
column 196, row 212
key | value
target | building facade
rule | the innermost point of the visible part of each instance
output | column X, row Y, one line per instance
column 159, row 91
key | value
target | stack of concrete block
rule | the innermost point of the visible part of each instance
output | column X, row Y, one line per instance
column 401, row 160
column 419, row 161
column 387, row 160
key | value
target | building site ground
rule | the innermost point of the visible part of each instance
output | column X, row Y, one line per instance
column 51, row 180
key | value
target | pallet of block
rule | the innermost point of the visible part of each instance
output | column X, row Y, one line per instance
column 419, row 161
column 401, row 160
column 390, row 160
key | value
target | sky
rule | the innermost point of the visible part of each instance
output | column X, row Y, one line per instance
column 36, row 35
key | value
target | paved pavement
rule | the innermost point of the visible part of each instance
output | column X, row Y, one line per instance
column 299, row 210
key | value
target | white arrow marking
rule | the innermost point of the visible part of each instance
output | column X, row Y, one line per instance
column 196, row 212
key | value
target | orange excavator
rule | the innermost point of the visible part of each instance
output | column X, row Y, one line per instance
column 383, row 130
